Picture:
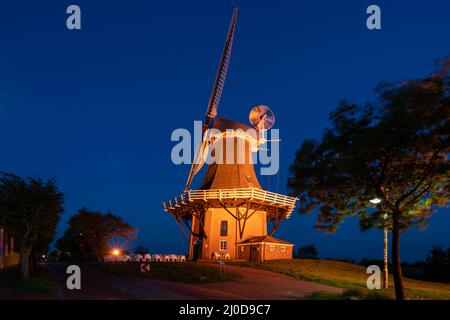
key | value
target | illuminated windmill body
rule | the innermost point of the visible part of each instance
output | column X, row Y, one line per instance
column 227, row 216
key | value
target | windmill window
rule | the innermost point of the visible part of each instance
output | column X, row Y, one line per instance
column 223, row 228
column 223, row 245
column 249, row 179
column 271, row 248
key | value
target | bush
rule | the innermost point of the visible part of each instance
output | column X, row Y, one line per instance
column 308, row 252
column 12, row 260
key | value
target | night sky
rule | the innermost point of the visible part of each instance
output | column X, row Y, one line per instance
column 95, row 108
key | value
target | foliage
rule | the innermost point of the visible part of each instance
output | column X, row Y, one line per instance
column 89, row 233
column 437, row 266
column 30, row 210
column 308, row 252
column 396, row 150
column 141, row 250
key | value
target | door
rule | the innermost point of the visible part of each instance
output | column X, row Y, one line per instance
column 197, row 250
column 254, row 252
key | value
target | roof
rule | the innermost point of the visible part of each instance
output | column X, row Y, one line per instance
column 223, row 124
column 234, row 170
column 265, row 239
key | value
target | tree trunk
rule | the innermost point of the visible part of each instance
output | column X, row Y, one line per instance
column 2, row 253
column 25, row 262
column 398, row 275
column 33, row 262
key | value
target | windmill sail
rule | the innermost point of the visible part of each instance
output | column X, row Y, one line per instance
column 216, row 94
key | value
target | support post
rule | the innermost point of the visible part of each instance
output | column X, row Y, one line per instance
column 386, row 255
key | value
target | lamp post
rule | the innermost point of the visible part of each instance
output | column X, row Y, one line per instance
column 386, row 257
column 377, row 201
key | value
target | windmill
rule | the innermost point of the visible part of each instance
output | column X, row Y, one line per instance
column 227, row 216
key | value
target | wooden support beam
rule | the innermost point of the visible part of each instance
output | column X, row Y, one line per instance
column 181, row 227
column 200, row 218
column 277, row 223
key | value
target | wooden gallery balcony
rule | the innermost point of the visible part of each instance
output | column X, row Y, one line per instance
column 274, row 204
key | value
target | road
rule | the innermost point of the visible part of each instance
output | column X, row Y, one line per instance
column 254, row 285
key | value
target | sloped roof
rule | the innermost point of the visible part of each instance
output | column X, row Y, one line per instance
column 267, row 238
column 224, row 124
column 234, row 174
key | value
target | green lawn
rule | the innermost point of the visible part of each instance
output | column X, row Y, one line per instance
column 35, row 286
column 40, row 286
column 187, row 272
column 348, row 276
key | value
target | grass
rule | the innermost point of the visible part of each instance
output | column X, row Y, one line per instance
column 34, row 286
column 349, row 294
column 40, row 284
column 186, row 272
column 349, row 276
column 323, row 295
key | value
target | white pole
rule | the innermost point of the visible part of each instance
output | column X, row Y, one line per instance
column 386, row 253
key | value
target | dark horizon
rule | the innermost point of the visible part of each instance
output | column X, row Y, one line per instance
column 95, row 108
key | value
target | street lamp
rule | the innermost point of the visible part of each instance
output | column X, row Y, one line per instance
column 386, row 242
column 115, row 253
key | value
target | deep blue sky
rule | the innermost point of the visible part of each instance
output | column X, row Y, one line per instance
column 95, row 108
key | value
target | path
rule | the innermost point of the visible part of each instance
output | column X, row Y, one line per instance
column 255, row 284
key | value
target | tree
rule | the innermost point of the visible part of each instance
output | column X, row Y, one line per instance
column 30, row 210
column 437, row 265
column 141, row 250
column 89, row 233
column 396, row 150
column 308, row 252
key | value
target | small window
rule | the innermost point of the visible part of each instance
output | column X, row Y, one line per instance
column 223, row 228
column 223, row 245
column 271, row 248
column 242, row 248
column 283, row 249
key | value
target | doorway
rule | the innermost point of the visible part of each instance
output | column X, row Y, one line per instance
column 254, row 252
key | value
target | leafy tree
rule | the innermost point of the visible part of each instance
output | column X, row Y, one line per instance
column 89, row 233
column 308, row 252
column 141, row 250
column 437, row 266
column 30, row 210
column 395, row 150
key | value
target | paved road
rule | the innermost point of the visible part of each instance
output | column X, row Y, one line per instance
column 259, row 284
column 254, row 284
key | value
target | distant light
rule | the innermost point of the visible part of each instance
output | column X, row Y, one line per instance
column 43, row 256
column 375, row 200
column 116, row 252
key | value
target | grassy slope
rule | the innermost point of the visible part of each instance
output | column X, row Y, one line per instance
column 348, row 276
column 186, row 272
